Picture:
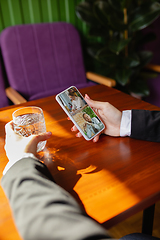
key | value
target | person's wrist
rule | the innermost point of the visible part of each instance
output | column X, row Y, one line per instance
column 11, row 163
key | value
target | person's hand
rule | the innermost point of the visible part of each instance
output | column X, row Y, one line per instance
column 16, row 145
column 110, row 116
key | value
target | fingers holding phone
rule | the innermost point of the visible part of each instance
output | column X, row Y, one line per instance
column 110, row 116
column 85, row 120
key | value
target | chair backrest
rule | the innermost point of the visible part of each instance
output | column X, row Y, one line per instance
column 3, row 98
column 42, row 59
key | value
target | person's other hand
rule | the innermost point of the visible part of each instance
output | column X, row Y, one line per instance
column 110, row 116
column 16, row 145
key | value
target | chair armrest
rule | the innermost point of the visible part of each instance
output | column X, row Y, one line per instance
column 101, row 79
column 14, row 96
column 153, row 67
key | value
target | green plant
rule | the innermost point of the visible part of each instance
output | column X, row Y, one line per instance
column 115, row 39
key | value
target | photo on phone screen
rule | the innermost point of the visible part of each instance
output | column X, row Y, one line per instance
column 82, row 115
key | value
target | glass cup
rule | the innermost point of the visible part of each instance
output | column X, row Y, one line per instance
column 30, row 121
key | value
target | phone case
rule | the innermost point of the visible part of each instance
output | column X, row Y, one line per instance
column 80, row 113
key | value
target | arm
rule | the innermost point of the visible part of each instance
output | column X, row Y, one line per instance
column 14, row 96
column 110, row 116
column 101, row 79
column 42, row 209
column 145, row 125
column 138, row 124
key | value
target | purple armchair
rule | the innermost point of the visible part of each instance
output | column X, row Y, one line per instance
column 44, row 59
column 3, row 98
column 7, row 93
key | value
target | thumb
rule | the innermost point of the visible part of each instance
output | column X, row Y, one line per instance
column 92, row 103
column 33, row 141
column 41, row 137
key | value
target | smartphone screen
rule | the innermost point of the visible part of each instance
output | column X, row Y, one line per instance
column 81, row 114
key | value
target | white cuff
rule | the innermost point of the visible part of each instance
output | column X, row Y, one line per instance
column 10, row 164
column 125, row 128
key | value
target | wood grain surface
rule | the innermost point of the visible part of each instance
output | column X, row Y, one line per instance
column 112, row 179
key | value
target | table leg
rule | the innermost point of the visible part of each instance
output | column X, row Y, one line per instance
column 148, row 218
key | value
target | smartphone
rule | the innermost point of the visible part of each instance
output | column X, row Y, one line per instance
column 80, row 113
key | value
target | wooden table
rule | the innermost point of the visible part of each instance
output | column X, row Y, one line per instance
column 112, row 179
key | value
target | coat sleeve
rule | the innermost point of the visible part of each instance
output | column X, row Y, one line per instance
column 145, row 125
column 42, row 209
